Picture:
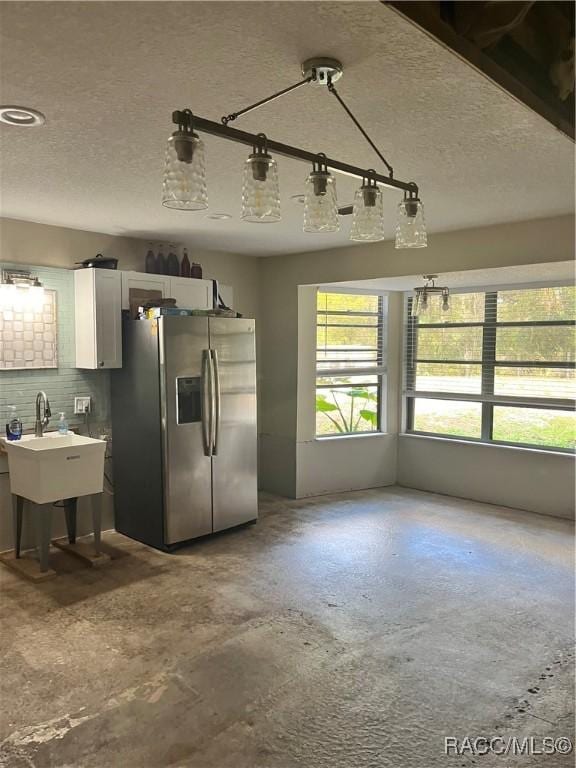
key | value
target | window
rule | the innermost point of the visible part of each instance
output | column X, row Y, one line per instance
column 349, row 363
column 496, row 367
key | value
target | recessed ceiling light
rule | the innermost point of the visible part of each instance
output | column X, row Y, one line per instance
column 21, row 116
column 218, row 216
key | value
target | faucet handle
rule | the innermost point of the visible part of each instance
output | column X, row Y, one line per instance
column 47, row 411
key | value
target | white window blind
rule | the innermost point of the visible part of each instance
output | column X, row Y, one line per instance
column 489, row 355
column 349, row 362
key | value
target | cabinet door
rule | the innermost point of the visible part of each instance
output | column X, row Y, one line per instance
column 144, row 282
column 191, row 293
column 107, row 299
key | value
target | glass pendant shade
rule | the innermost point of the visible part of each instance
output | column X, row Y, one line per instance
column 410, row 225
column 260, row 189
column 320, row 203
column 184, row 181
column 368, row 214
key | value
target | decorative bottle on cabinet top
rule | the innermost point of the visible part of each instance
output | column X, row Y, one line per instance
column 162, row 262
column 173, row 263
column 151, row 263
column 185, row 265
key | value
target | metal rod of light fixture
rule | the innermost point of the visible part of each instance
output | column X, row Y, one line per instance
column 223, row 131
column 228, row 118
column 334, row 92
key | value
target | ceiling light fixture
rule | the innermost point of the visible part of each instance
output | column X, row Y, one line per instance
column 368, row 215
column 320, row 205
column 422, row 294
column 218, row 216
column 22, row 116
column 410, row 225
column 184, row 183
column 260, row 189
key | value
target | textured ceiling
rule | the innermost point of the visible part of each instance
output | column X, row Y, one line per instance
column 108, row 75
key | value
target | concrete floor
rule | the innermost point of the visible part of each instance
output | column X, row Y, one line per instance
column 347, row 631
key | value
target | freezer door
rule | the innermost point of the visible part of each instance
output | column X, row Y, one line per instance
column 186, row 397
column 234, row 435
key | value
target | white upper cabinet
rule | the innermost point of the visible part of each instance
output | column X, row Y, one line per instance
column 98, row 318
column 143, row 282
column 102, row 294
column 191, row 293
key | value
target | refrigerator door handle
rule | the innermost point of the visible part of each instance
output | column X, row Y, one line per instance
column 217, row 399
column 207, row 402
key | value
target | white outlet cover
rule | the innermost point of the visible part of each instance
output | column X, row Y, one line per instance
column 81, row 403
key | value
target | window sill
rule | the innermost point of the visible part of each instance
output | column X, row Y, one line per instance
column 480, row 443
column 361, row 435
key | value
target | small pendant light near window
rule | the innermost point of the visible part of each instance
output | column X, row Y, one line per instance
column 410, row 225
column 420, row 300
column 260, row 189
column 184, row 182
column 368, row 215
column 320, row 203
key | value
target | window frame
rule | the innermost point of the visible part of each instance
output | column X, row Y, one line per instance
column 488, row 364
column 378, row 370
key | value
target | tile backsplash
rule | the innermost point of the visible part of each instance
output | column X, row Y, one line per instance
column 61, row 384
column 29, row 332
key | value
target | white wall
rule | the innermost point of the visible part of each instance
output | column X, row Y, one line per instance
column 289, row 459
column 347, row 463
column 327, row 465
column 524, row 478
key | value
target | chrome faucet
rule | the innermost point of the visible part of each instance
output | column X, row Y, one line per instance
column 42, row 423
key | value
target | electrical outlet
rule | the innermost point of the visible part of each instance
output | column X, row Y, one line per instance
column 82, row 405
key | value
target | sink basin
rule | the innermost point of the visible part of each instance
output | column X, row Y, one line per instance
column 55, row 466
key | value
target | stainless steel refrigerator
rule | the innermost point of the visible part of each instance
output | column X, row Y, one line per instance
column 184, row 428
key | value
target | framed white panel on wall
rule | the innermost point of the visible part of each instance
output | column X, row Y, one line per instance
column 28, row 328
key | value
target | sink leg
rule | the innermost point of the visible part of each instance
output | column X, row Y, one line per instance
column 97, row 520
column 43, row 526
column 70, row 507
column 17, row 508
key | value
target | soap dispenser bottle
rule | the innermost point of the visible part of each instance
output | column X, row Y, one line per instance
column 13, row 425
column 62, row 424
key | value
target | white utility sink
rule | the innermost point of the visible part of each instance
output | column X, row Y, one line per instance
column 55, row 466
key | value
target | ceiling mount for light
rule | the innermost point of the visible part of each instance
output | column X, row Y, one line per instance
column 184, row 183
column 322, row 70
column 22, row 116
